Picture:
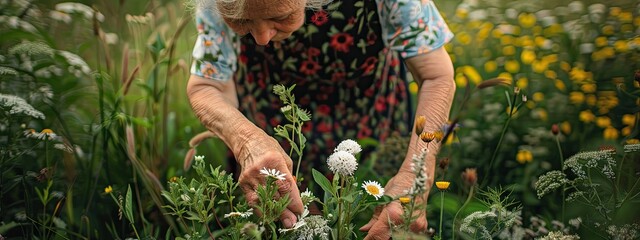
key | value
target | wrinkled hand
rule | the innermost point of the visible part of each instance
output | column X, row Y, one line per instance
column 378, row 227
column 265, row 152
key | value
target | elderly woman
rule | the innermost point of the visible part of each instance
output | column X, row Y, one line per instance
column 345, row 58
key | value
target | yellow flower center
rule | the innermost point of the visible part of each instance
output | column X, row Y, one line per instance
column 47, row 131
column 373, row 190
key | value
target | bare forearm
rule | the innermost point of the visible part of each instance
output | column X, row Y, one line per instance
column 215, row 104
column 434, row 73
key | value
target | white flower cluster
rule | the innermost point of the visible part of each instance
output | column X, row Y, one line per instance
column 627, row 231
column 632, row 147
column 418, row 168
column 550, row 181
column 577, row 163
column 342, row 161
column 17, row 105
column 77, row 65
column 73, row 7
column 558, row 235
column 473, row 224
column 307, row 197
column 315, row 227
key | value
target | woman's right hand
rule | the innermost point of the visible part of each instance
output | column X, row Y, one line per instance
column 265, row 152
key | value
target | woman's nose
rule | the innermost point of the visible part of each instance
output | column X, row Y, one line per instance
column 263, row 32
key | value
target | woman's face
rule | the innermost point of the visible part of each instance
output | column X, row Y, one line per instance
column 269, row 20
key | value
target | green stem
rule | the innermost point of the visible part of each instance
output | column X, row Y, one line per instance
column 441, row 212
column 453, row 229
column 561, row 167
column 495, row 152
column 340, row 213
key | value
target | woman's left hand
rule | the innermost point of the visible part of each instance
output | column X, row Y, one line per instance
column 378, row 227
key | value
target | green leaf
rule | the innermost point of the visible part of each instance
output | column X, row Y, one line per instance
column 322, row 181
column 128, row 205
column 359, row 4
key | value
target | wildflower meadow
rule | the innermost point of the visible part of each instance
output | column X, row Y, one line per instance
column 98, row 140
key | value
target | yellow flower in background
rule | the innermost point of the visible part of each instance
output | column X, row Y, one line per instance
column 490, row 66
column 588, row 88
column 591, row 100
column 471, row 73
column 443, row 185
column 405, row 200
column 626, row 131
column 464, row 38
column 603, row 122
column 527, row 20
column 565, row 127
column 541, row 114
column 608, row 52
column 462, row 13
column 461, row 80
column 497, row 33
column 539, row 66
column 565, row 66
column 553, row 29
column 540, row 41
column 633, row 141
column 487, row 53
column 614, row 11
column 627, row 27
column 527, row 56
column 560, row 85
column 626, row 17
column 524, row 156
column 578, row 74
column 610, row 133
column 537, row 30
column 525, row 41
column 108, row 189
column 608, row 30
column 636, row 21
column 587, row 116
column 522, row 83
column 506, row 76
column 629, row 119
column 509, row 50
column 512, row 66
column 621, row 46
column 601, row 41
column 576, row 98
column 458, row 51
column 538, row 97
column 550, row 74
column 413, row 87
column 551, row 58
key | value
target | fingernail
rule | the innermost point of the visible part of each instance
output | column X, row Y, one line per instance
column 287, row 223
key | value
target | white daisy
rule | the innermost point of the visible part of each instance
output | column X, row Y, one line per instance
column 349, row 146
column 307, row 197
column 373, row 188
column 272, row 173
column 342, row 163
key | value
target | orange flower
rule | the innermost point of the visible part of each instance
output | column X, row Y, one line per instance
column 442, row 185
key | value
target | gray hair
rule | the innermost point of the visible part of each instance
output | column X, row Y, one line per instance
column 233, row 8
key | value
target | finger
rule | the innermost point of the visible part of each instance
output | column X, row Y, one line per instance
column 288, row 219
column 289, row 186
column 379, row 231
column 419, row 225
column 391, row 214
column 374, row 218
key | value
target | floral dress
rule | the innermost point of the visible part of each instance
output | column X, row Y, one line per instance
column 346, row 64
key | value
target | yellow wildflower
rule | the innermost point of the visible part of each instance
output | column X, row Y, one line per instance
column 633, row 141
column 626, row 131
column 629, row 119
column 506, row 40
column 509, row 50
column 413, row 87
column 608, row 30
column 443, row 185
column 603, row 122
column 610, row 133
column 524, row 156
column 527, row 56
column 506, row 75
column 464, row 38
column 626, row 17
column 522, row 83
column 588, row 88
column 461, row 80
column 560, row 85
column 591, row 100
column 601, row 41
column 615, row 11
column 538, row 96
column 550, row 74
column 512, row 66
column 472, row 74
column 587, row 116
column 565, row 127
column 527, row 20
column 405, row 200
column 621, row 46
column 576, row 98
column 108, row 189
column 490, row 66
column 539, row 66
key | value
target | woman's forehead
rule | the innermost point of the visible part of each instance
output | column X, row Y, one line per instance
column 271, row 8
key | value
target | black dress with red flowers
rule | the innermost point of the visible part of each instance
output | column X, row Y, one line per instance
column 345, row 62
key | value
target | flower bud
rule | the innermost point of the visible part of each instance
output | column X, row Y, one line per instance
column 555, row 129
column 427, row 137
column 420, row 122
column 470, row 176
column 444, row 163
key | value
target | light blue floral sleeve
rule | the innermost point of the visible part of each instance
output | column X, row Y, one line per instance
column 412, row 27
column 215, row 52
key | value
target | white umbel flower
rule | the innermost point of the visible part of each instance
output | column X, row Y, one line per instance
column 342, row 163
column 349, row 146
column 272, row 173
column 239, row 214
column 373, row 188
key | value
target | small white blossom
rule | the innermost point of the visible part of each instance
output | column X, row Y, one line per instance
column 349, row 146
column 342, row 163
column 17, row 105
column 239, row 214
column 272, row 173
